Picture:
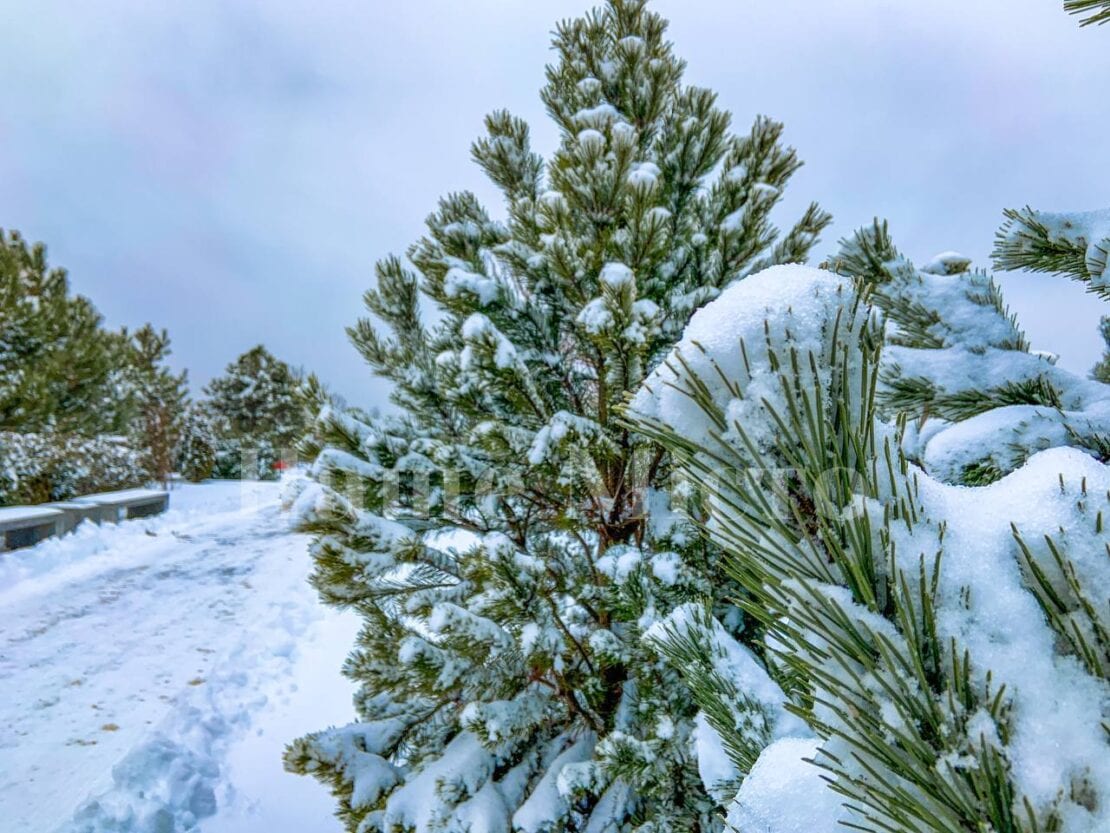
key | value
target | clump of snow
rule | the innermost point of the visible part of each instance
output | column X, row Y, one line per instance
column 736, row 174
column 784, row 793
column 734, row 222
column 547, row 805
column 1004, row 438
column 802, row 301
column 595, row 316
column 765, row 190
column 477, row 328
column 644, row 175
column 619, row 561
column 591, row 139
column 985, row 604
column 460, row 281
column 718, row 773
column 947, row 263
column 560, row 429
column 616, row 275
column 460, row 772
column 597, row 117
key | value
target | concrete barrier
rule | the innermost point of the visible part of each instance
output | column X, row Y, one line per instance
column 24, row 526
column 128, row 504
column 76, row 512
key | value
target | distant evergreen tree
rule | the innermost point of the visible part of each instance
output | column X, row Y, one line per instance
column 257, row 412
column 506, row 540
column 82, row 408
column 60, row 370
column 159, row 398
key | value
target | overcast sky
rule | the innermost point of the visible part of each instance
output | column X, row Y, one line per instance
column 231, row 169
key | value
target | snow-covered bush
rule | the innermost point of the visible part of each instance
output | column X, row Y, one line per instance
column 946, row 647
column 505, row 538
column 35, row 468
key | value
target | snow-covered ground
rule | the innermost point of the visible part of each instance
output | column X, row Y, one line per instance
column 152, row 672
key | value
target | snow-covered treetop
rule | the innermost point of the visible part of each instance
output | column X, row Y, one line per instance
column 258, row 397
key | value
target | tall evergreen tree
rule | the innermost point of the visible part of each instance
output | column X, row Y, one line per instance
column 159, row 398
column 504, row 538
column 257, row 412
column 59, row 367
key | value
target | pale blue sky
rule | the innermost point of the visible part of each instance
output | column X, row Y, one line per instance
column 231, row 170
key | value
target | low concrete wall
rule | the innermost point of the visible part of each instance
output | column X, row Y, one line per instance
column 25, row 526
column 76, row 512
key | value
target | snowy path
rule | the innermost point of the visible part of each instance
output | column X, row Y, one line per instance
column 133, row 659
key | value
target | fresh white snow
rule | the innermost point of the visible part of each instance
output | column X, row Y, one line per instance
column 152, row 672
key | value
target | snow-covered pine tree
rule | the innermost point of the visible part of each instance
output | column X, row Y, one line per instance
column 65, row 393
column 948, row 648
column 257, row 412
column 505, row 540
column 158, row 400
column 59, row 367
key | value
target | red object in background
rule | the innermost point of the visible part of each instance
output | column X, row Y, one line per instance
column 279, row 465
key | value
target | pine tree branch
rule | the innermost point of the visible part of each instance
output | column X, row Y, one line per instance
column 1075, row 245
column 1097, row 11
